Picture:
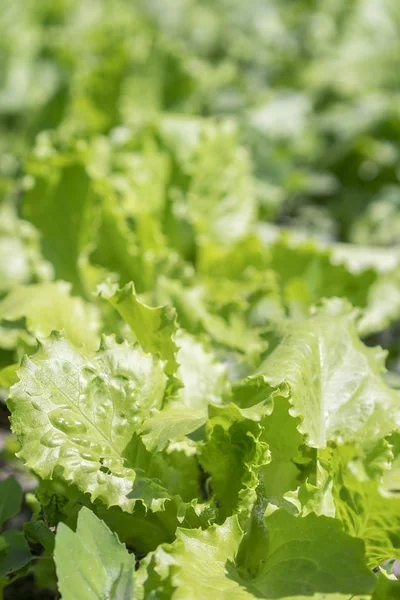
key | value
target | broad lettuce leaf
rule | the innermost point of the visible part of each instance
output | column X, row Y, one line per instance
column 336, row 384
column 206, row 563
column 81, row 414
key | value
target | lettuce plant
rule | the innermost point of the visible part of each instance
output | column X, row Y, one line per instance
column 189, row 345
column 222, row 431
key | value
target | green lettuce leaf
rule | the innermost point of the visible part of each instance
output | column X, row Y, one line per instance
column 92, row 563
column 154, row 328
column 20, row 258
column 204, row 382
column 202, row 563
column 222, row 199
column 58, row 202
column 232, row 456
column 335, row 382
column 50, row 306
column 115, row 247
column 280, row 432
column 364, row 508
column 81, row 415
column 197, row 313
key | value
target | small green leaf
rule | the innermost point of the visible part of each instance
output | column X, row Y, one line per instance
column 50, row 306
column 10, row 499
column 38, row 532
column 8, row 375
column 232, row 455
column 91, row 563
column 154, row 328
column 16, row 555
column 204, row 382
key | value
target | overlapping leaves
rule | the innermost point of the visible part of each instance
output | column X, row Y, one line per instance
column 240, row 441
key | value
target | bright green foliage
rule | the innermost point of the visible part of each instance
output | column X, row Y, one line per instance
column 282, row 473
column 82, row 415
column 56, row 204
column 199, row 299
column 204, row 382
column 364, row 508
column 49, row 306
column 233, row 455
column 290, row 545
column 154, row 328
column 335, row 381
column 221, row 197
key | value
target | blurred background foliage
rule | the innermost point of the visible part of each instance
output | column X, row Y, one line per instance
column 313, row 87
